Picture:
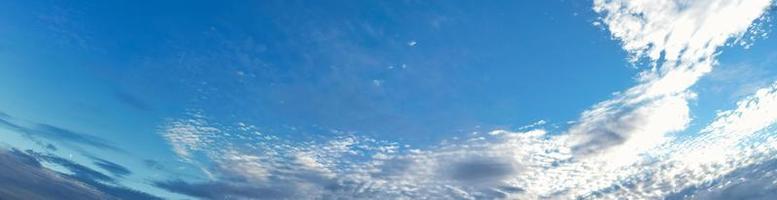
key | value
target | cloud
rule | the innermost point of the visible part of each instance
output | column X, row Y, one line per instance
column 22, row 176
column 54, row 134
column 621, row 147
column 735, row 140
column 115, row 169
column 349, row 166
column 79, row 171
column 481, row 170
column 680, row 39
column 60, row 134
column 498, row 165
column 501, row 164
column 756, row 181
column 222, row 190
column 752, row 113
column 188, row 135
column 6, row 121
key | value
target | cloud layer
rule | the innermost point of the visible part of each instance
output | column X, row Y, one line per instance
column 622, row 147
column 500, row 164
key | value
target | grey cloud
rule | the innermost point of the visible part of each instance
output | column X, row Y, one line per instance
column 755, row 182
column 57, row 133
column 54, row 133
column 113, row 168
column 153, row 164
column 482, row 176
column 609, row 129
column 511, row 189
column 79, row 171
column 281, row 184
column 5, row 121
column 22, row 176
column 395, row 167
column 480, row 170
column 222, row 190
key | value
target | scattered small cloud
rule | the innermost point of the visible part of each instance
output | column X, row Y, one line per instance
column 412, row 43
column 377, row 83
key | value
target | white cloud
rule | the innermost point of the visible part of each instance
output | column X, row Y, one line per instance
column 504, row 165
column 189, row 134
column 735, row 139
column 621, row 147
column 681, row 39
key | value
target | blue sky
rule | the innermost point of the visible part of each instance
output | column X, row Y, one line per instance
column 167, row 98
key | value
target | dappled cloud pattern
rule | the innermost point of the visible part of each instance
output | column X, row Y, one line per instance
column 623, row 147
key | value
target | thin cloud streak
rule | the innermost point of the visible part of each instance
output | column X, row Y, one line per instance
column 53, row 133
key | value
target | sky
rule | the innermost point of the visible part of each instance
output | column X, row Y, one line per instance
column 558, row 99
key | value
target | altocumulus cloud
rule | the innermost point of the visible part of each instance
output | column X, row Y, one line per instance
column 622, row 147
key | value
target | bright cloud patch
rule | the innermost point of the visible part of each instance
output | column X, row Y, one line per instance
column 501, row 165
column 681, row 38
column 621, row 147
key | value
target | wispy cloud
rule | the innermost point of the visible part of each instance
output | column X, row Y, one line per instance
column 53, row 133
column 115, row 169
